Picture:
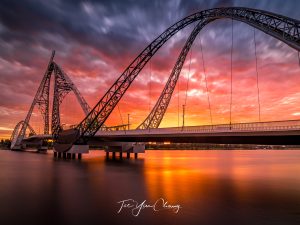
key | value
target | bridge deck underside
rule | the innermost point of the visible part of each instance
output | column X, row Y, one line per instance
column 264, row 137
column 271, row 137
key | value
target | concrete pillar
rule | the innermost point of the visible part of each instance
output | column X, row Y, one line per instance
column 64, row 155
column 73, row 155
column 128, row 155
column 79, row 155
column 135, row 155
column 121, row 155
column 55, row 154
column 114, row 155
column 59, row 154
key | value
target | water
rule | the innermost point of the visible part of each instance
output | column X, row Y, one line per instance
column 211, row 187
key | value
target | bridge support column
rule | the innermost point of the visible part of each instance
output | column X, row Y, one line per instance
column 128, row 155
column 77, row 149
column 107, row 155
column 59, row 154
column 64, row 155
column 55, row 154
column 121, row 155
column 135, row 155
column 114, row 155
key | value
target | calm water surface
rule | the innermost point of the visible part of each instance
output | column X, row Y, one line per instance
column 212, row 187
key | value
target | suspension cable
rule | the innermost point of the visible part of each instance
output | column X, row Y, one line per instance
column 188, row 79
column 187, row 87
column 178, row 101
column 121, row 117
column 257, row 80
column 205, row 77
column 230, row 119
column 150, row 79
column 186, row 91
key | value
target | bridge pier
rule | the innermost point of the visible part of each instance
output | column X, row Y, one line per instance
column 123, row 147
column 66, row 155
column 71, row 154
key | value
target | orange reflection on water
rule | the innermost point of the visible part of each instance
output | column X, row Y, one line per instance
column 183, row 176
column 168, row 175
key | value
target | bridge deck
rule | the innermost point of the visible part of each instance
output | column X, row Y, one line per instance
column 277, row 132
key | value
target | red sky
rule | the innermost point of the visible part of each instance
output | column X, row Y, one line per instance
column 95, row 53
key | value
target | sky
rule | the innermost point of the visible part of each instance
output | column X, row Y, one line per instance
column 96, row 40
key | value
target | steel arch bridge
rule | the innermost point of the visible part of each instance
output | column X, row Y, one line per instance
column 62, row 86
column 15, row 133
column 280, row 27
column 283, row 28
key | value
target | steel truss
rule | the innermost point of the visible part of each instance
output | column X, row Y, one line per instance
column 158, row 111
column 62, row 86
column 280, row 27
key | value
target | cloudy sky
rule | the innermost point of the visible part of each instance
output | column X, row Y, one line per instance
column 96, row 40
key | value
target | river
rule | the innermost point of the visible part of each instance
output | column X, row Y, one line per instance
column 175, row 187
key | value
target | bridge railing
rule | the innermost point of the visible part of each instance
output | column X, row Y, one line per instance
column 241, row 127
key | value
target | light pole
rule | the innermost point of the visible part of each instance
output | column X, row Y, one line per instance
column 128, row 121
column 183, row 115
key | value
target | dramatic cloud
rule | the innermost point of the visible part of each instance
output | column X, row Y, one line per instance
column 96, row 40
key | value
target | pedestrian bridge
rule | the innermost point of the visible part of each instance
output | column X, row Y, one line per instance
column 275, row 132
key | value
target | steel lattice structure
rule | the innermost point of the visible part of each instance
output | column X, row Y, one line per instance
column 157, row 113
column 15, row 132
column 155, row 117
column 62, row 86
column 278, row 26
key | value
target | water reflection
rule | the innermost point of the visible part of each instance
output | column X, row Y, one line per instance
column 213, row 187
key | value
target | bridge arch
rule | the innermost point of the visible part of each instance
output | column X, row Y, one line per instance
column 62, row 86
column 283, row 28
column 15, row 133
column 156, row 115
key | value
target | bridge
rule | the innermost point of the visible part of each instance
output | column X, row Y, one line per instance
column 93, row 130
column 275, row 132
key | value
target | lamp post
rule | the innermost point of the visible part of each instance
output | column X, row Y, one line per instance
column 183, row 115
column 128, row 121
